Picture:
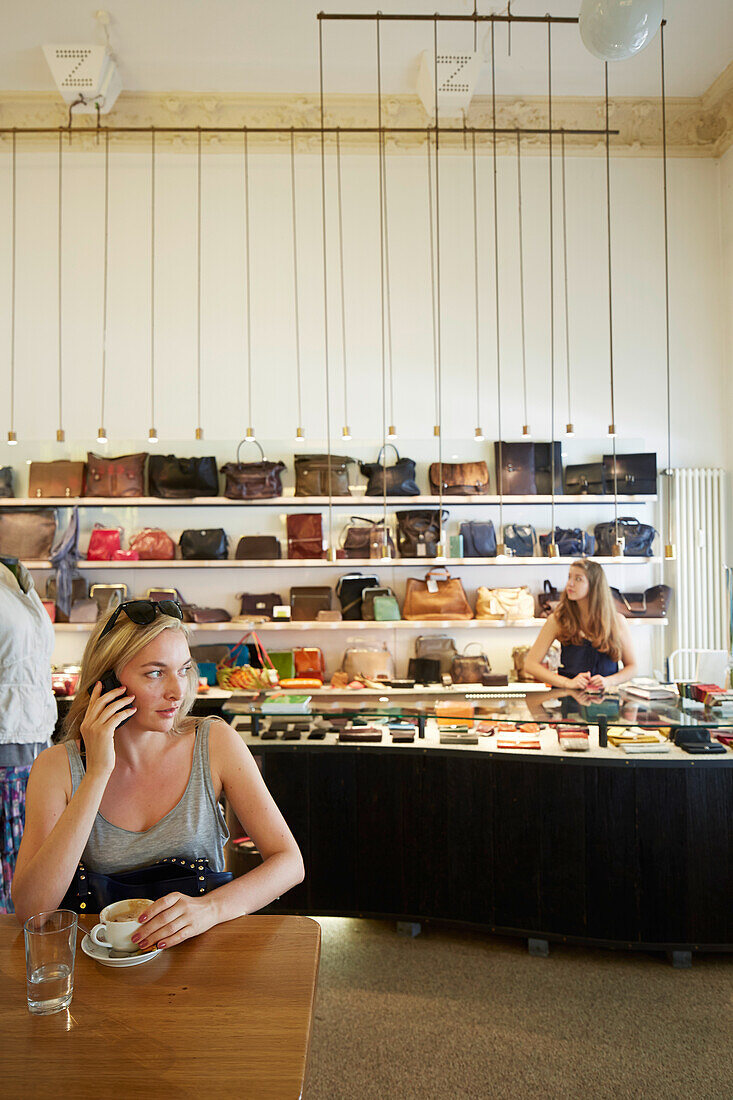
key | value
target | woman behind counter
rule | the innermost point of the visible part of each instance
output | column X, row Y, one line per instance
column 592, row 634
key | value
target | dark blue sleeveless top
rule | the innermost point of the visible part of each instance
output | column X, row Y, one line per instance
column 584, row 658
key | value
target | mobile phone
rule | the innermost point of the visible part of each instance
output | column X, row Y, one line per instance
column 109, row 682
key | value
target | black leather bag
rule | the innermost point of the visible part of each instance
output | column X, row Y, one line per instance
column 417, row 529
column 587, row 477
column 424, row 670
column 258, row 548
column 571, row 542
column 90, row 891
column 520, row 539
column 6, row 481
column 182, row 478
column 394, row 481
column 543, row 468
column 349, row 591
column 635, row 473
column 515, row 468
column 479, row 539
column 639, row 537
column 211, row 544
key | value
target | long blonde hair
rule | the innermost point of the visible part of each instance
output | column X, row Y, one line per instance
column 114, row 651
column 601, row 628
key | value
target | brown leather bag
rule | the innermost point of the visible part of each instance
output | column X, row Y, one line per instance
column 194, row 614
column 654, row 603
column 461, row 479
column 322, row 475
column 470, row 668
column 436, row 597
column 307, row 600
column 258, row 548
column 27, row 535
column 123, row 476
column 305, row 535
column 56, row 479
column 367, row 541
column 153, row 544
column 253, row 480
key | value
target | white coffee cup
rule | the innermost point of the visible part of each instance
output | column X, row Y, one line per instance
column 116, row 929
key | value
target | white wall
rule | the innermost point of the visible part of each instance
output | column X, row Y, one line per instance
column 699, row 416
column 725, row 170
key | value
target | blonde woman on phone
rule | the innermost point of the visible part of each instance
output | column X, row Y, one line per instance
column 592, row 634
column 137, row 780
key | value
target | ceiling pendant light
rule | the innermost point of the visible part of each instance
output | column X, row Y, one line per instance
column 153, row 432
column 12, row 437
column 249, row 435
column 102, row 431
column 500, row 546
column 199, row 430
column 614, row 30
column 299, row 432
column 330, row 548
column 60, row 433
column 526, row 430
column 440, row 546
column 670, row 550
column 346, row 430
column 478, row 431
column 569, row 427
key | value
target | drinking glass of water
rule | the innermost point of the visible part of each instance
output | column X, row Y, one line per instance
column 50, row 950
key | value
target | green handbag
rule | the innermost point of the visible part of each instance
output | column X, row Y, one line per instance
column 386, row 609
column 284, row 662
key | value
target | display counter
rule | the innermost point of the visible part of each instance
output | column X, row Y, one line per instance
column 595, row 847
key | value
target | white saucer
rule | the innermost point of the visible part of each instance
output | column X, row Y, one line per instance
column 101, row 954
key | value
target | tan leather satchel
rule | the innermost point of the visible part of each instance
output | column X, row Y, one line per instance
column 368, row 662
column 56, row 479
column 504, row 603
column 461, row 479
column 436, row 597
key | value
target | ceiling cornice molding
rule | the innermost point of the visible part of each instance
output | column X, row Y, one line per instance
column 699, row 127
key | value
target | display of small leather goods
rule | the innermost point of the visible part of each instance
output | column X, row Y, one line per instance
column 122, row 476
column 451, row 712
column 27, row 534
column 322, row 475
column 438, row 596
column 305, row 535
column 56, row 479
column 459, row 478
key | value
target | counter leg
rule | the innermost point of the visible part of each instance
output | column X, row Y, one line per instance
column 603, row 731
column 255, row 724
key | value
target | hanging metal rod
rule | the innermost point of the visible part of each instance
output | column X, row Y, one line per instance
column 462, row 130
column 472, row 17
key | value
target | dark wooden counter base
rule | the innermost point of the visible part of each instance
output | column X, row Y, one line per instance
column 636, row 856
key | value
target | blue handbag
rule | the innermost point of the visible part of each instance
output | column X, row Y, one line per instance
column 91, row 891
column 520, row 539
column 571, row 542
column 479, row 539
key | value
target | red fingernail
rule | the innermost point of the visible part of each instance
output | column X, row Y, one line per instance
column 135, row 938
column 142, row 917
column 161, row 945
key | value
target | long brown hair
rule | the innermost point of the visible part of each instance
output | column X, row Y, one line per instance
column 114, row 651
column 601, row 628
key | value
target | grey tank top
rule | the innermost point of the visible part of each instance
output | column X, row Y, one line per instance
column 193, row 829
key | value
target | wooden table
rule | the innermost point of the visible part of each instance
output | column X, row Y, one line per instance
column 226, row 1014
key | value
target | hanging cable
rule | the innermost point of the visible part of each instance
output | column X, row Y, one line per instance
column 392, row 430
column 526, row 431
column 60, row 434
column 478, row 433
column 670, row 551
column 431, row 217
column 440, row 550
column 569, row 429
column 500, row 550
column 12, row 436
column 199, row 430
column 331, row 548
column 382, row 292
column 102, row 433
column 250, row 433
column 346, row 430
column 299, row 432
column 153, row 433
column 618, row 544
column 552, row 549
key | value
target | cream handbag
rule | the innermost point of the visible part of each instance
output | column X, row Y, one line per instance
column 504, row 603
column 368, row 662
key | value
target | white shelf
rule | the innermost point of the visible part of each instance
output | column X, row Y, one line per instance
column 358, row 499
column 359, row 625
column 343, row 564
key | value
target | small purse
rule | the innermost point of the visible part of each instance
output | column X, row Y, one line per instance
column 520, row 539
column 349, row 591
column 305, row 535
column 570, row 542
column 307, row 600
column 322, row 475
column 504, row 603
column 369, row 595
column 192, row 613
column 258, row 548
column 211, row 544
column 258, row 605
column 176, row 478
column 253, row 480
column 391, row 481
column 153, row 544
column 309, row 663
column 386, row 609
column 103, row 542
column 479, row 539
column 459, row 478
column 436, row 597
column 123, row 476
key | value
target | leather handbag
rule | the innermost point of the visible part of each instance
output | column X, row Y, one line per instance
column 258, row 548
column 27, row 535
column 418, row 532
column 78, row 592
column 252, row 480
column 305, row 535
column 192, row 613
column 125, row 555
column 386, row 609
column 258, row 605
column 548, row 600
column 654, row 603
column 307, row 600
column 56, row 479
column 210, row 544
column 470, row 668
column 504, row 603
column 515, row 468
column 391, row 481
column 463, row 479
column 368, row 541
column 153, row 544
column 543, row 468
column 182, row 478
column 638, row 537
column 349, row 590
column 6, row 481
column 436, row 647
column 369, row 595
column 107, row 596
column 479, row 539
column 322, row 475
column 90, row 891
column 634, row 473
column 103, row 542
column 424, row 670
column 123, row 476
column 368, row 663
column 309, row 663
column 520, row 539
column 587, row 477
column 571, row 542
column 84, row 611
column 436, row 597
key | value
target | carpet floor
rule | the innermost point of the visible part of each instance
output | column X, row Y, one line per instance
column 460, row 1014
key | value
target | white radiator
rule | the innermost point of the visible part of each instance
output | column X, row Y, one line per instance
column 700, row 613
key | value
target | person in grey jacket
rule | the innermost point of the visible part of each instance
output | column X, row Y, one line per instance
column 27, row 704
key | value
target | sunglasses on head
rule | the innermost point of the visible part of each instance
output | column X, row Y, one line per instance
column 143, row 612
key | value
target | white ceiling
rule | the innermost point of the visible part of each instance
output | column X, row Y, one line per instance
column 272, row 46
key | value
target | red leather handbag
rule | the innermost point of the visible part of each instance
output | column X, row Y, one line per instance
column 309, row 662
column 103, row 543
column 125, row 555
column 153, row 544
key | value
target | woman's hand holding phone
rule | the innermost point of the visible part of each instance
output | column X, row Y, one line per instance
column 106, row 711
